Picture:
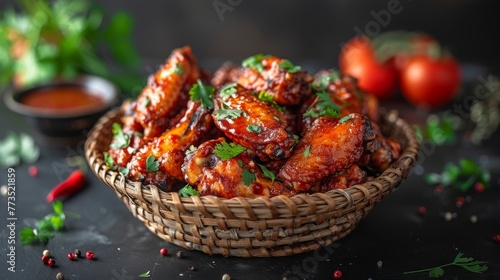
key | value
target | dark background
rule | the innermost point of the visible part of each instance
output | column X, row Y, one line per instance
column 303, row 31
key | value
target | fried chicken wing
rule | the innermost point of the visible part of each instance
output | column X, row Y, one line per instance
column 252, row 123
column 236, row 176
column 344, row 93
column 326, row 148
column 341, row 180
column 169, row 149
column 166, row 89
column 273, row 75
column 380, row 154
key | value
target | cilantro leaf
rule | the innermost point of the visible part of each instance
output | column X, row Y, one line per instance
column 146, row 102
column 466, row 263
column 120, row 140
column 228, row 90
column 267, row 173
column 152, row 164
column 344, row 119
column 223, row 114
column 225, row 150
column 255, row 62
column 178, row 69
column 108, row 160
column 248, row 177
column 324, row 107
column 27, row 236
column 45, row 227
column 462, row 176
column 192, row 148
column 321, row 83
column 264, row 96
column 203, row 93
column 253, row 128
column 289, row 66
column 187, row 191
column 307, row 151
column 145, row 274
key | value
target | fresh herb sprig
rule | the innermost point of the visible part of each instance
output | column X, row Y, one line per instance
column 223, row 114
column 152, row 164
column 225, row 150
column 188, row 191
column 202, row 93
column 15, row 149
column 438, row 130
column 289, row 66
column 462, row 175
column 466, row 263
column 255, row 62
column 264, row 96
column 321, row 83
column 324, row 107
column 45, row 227
column 248, row 177
column 120, row 139
column 146, row 274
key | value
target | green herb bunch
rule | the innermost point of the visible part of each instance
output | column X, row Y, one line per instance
column 45, row 39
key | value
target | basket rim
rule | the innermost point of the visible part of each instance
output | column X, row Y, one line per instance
column 373, row 188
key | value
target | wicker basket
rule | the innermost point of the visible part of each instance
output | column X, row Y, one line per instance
column 260, row 227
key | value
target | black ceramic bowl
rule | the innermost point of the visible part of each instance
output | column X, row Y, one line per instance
column 58, row 127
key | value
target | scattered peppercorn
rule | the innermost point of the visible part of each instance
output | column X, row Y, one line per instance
column 226, row 277
column 439, row 189
column 496, row 237
column 89, row 255
column 421, row 210
column 337, row 274
column 71, row 256
column 78, row 253
column 51, row 262
column 459, row 201
column 60, row 276
column 479, row 187
column 191, row 267
column 179, row 254
column 163, row 251
column 46, row 253
column 33, row 171
column 45, row 259
column 473, row 219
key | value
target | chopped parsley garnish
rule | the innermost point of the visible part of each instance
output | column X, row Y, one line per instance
column 203, row 93
column 124, row 170
column 152, row 164
column 267, row 173
column 225, row 150
column 192, row 148
column 241, row 163
column 253, row 128
column 248, row 177
column 307, row 151
column 255, row 62
column 45, row 227
column 223, row 114
column 108, row 160
column 228, row 90
column 324, row 107
column 146, row 102
column 289, row 66
column 344, row 119
column 178, row 69
column 120, row 139
column 320, row 84
column 264, row 96
column 187, row 191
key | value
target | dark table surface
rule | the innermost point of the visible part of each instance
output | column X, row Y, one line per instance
column 392, row 239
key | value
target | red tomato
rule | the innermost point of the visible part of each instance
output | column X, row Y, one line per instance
column 430, row 82
column 357, row 59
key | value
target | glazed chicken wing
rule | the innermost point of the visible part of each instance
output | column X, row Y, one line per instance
column 168, row 150
column 380, row 154
column 166, row 90
column 326, row 148
column 341, row 180
column 285, row 82
column 344, row 93
column 236, row 176
column 252, row 123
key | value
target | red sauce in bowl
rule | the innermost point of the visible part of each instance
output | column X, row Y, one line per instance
column 62, row 98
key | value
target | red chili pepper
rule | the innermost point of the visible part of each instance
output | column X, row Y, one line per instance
column 72, row 184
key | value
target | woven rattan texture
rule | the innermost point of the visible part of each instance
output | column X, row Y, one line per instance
column 260, row 227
